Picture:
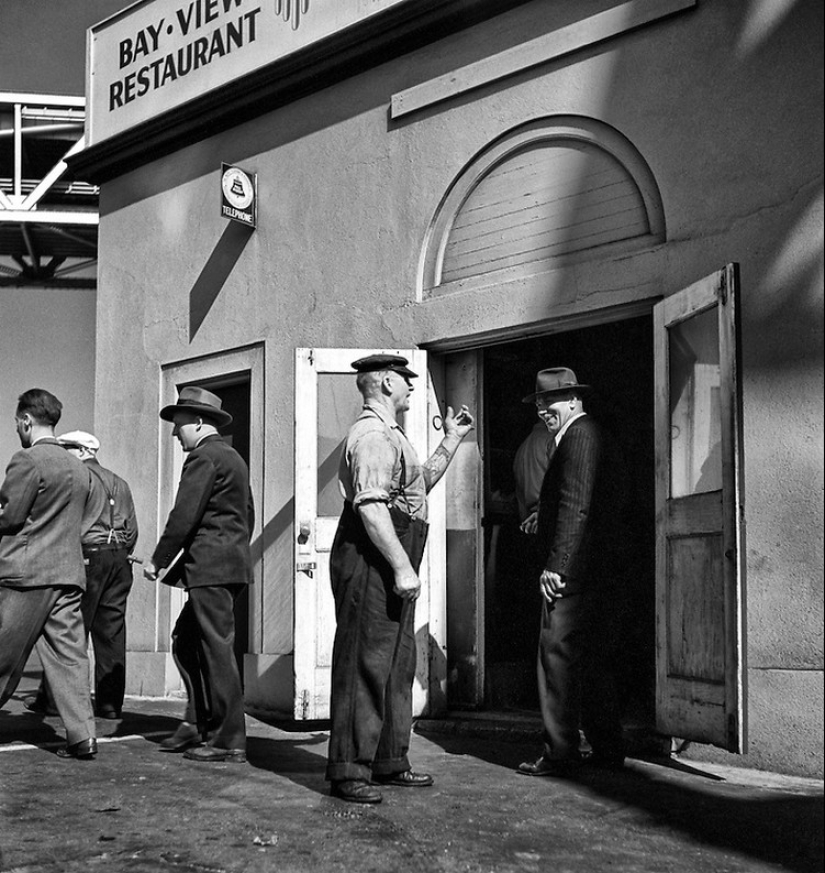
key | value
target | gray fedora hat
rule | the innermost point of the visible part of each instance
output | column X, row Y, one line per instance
column 198, row 401
column 556, row 380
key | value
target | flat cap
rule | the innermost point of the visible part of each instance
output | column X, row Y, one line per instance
column 79, row 439
column 373, row 363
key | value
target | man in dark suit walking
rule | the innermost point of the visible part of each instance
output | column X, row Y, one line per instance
column 46, row 500
column 582, row 533
column 211, row 524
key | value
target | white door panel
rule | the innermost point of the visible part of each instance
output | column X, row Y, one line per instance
column 327, row 402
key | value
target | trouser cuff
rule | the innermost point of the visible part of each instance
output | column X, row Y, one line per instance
column 390, row 766
column 342, row 771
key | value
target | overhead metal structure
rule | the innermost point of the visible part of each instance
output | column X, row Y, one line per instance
column 48, row 220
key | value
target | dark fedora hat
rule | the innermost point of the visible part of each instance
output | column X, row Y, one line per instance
column 374, row 363
column 198, row 401
column 556, row 380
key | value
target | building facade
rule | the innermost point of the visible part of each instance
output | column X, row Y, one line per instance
column 633, row 190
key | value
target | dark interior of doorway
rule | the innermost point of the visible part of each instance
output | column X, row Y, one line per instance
column 234, row 392
column 616, row 359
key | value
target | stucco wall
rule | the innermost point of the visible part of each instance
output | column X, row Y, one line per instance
column 725, row 106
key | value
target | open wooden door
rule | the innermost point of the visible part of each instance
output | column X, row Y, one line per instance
column 326, row 404
column 700, row 557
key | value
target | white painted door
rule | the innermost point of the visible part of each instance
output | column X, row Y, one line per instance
column 326, row 404
column 700, row 555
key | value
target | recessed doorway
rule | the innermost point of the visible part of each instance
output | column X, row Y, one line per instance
column 616, row 359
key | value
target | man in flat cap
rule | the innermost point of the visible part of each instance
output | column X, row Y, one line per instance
column 582, row 534
column 46, row 501
column 107, row 546
column 210, row 525
column 374, row 570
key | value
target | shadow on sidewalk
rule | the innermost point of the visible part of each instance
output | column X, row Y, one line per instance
column 767, row 824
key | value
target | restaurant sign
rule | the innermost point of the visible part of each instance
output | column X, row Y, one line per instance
column 156, row 55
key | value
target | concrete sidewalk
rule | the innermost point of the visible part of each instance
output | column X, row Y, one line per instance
column 135, row 809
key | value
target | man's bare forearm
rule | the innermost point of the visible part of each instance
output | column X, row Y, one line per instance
column 436, row 465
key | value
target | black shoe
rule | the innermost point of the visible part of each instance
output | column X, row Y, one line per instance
column 604, row 761
column 85, row 750
column 559, row 767
column 35, row 703
column 355, row 791
column 108, row 712
column 186, row 736
column 405, row 779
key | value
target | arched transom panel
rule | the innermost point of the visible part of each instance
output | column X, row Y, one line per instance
column 558, row 188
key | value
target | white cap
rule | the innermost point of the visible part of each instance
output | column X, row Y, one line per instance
column 79, row 439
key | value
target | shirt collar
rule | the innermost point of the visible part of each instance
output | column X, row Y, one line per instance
column 567, row 424
column 384, row 414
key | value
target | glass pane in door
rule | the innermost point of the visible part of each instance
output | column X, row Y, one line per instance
column 339, row 404
column 695, row 405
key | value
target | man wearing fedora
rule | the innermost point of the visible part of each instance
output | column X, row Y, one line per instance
column 582, row 533
column 107, row 547
column 374, row 566
column 207, row 534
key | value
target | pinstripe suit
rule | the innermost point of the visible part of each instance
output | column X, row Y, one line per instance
column 582, row 531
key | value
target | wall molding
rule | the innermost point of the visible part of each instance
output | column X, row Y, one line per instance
column 549, row 47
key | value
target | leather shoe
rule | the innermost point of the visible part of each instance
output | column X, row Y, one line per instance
column 185, row 736
column 35, row 703
column 214, row 754
column 355, row 791
column 108, row 712
column 560, row 767
column 604, row 761
column 85, row 750
column 405, row 779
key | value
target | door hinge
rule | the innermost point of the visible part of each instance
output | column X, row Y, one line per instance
column 304, row 704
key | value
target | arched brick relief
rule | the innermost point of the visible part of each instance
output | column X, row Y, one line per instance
column 564, row 187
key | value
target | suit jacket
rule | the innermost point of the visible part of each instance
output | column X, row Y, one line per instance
column 582, row 520
column 45, row 500
column 212, row 519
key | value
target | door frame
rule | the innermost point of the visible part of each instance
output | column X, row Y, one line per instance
column 464, row 383
column 222, row 366
column 312, row 655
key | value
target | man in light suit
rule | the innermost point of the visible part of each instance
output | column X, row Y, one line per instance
column 211, row 523
column 583, row 536
column 46, row 501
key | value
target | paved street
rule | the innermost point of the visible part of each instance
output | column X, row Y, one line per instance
column 135, row 809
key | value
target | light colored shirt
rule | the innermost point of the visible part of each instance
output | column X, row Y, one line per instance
column 567, row 424
column 371, row 467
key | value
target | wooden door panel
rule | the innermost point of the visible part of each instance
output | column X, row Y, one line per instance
column 696, row 600
column 700, row 579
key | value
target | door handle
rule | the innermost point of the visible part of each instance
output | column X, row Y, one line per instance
column 304, row 531
column 307, row 567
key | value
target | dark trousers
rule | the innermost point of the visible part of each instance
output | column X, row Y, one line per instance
column 578, row 654
column 373, row 658
column 50, row 619
column 203, row 646
column 108, row 582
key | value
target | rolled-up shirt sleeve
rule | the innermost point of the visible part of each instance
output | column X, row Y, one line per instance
column 372, row 459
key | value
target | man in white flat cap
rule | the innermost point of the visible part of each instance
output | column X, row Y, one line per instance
column 107, row 548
